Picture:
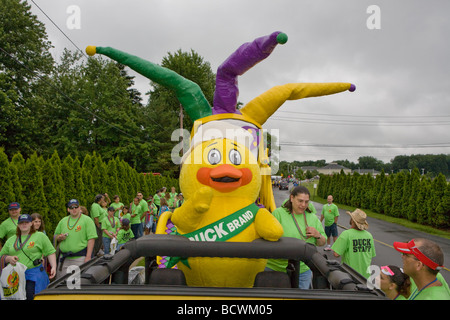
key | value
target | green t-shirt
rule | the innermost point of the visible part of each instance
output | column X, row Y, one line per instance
column 111, row 225
column 173, row 195
column 438, row 293
column 117, row 206
column 38, row 245
column 171, row 203
column 157, row 200
column 137, row 210
column 98, row 212
column 124, row 236
column 290, row 230
column 153, row 209
column 80, row 232
column 431, row 293
column 125, row 216
column 329, row 212
column 8, row 228
column 144, row 208
column 356, row 248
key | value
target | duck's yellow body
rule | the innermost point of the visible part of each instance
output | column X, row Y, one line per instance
column 215, row 189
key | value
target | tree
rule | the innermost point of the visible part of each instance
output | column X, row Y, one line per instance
column 412, row 196
column 54, row 193
column 422, row 203
column 356, row 190
column 164, row 108
column 438, row 189
column 397, row 194
column 387, row 198
column 6, row 185
column 380, row 185
column 69, row 178
column 367, row 191
column 369, row 162
column 33, row 188
column 24, row 57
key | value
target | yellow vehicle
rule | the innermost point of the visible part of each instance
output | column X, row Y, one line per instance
column 107, row 277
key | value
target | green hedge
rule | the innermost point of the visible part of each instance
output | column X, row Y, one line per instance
column 405, row 195
column 46, row 185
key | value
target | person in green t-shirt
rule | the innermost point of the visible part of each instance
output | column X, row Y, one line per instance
column 136, row 213
column 173, row 193
column 76, row 234
column 97, row 212
column 125, row 214
column 28, row 247
column 157, row 199
column 117, row 205
column 356, row 245
column 330, row 213
column 110, row 227
column 422, row 261
column 9, row 226
column 311, row 230
column 151, row 217
column 394, row 283
column 125, row 233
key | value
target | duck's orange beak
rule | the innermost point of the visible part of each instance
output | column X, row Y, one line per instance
column 224, row 178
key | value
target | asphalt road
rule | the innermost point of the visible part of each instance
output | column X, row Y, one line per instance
column 384, row 234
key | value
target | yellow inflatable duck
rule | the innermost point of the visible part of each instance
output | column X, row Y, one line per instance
column 225, row 174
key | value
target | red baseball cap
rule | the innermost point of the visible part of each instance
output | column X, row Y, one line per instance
column 411, row 248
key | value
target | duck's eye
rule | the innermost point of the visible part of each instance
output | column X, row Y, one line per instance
column 214, row 156
column 235, row 157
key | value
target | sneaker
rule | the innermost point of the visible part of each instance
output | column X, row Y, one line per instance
column 327, row 248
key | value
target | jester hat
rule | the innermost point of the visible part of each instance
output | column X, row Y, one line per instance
column 226, row 94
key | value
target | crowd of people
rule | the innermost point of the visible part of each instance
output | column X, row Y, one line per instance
column 78, row 237
column 108, row 225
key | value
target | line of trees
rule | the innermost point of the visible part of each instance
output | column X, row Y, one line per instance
column 404, row 195
column 46, row 185
column 430, row 164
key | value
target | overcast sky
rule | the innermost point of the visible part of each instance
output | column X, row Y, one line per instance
column 401, row 70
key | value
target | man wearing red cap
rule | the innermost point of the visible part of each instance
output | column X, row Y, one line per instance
column 422, row 260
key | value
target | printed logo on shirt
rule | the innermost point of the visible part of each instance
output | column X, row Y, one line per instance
column 30, row 245
column 78, row 229
column 362, row 245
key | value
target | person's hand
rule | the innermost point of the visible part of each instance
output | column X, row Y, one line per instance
column 62, row 237
column 312, row 232
column 12, row 260
column 52, row 272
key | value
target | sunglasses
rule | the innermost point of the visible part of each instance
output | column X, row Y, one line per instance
column 73, row 207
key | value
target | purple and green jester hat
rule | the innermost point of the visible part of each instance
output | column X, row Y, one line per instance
column 224, row 113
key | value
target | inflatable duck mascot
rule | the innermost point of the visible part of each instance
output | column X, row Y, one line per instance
column 225, row 174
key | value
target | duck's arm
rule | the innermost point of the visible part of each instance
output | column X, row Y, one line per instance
column 267, row 226
column 188, row 216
